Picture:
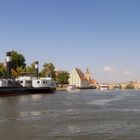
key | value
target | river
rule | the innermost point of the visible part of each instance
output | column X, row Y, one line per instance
column 77, row 115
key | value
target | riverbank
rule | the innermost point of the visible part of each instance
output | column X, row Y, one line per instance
column 61, row 89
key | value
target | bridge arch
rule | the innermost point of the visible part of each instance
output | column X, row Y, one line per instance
column 117, row 86
column 130, row 86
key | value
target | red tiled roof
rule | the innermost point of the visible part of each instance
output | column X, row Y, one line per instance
column 80, row 74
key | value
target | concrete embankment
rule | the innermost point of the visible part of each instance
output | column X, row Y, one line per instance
column 61, row 89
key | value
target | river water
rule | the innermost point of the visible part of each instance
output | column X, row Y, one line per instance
column 77, row 115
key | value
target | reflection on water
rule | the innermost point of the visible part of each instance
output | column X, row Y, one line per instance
column 80, row 115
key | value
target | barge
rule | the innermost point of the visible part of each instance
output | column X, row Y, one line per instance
column 25, row 84
column 37, row 86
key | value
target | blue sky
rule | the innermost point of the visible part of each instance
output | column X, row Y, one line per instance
column 102, row 35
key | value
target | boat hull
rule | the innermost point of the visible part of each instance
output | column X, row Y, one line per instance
column 11, row 91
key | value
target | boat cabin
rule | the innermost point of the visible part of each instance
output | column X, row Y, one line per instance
column 28, row 81
column 25, row 81
column 3, row 83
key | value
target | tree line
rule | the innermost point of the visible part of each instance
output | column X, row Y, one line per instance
column 19, row 67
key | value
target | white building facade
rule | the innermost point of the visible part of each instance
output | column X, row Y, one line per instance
column 78, row 78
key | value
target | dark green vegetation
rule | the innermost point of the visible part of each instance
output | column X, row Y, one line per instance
column 19, row 67
column 2, row 70
column 62, row 77
column 48, row 70
column 18, row 60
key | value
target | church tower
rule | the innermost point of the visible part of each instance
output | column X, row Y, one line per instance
column 87, row 75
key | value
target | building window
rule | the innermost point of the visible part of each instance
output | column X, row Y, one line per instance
column 38, row 82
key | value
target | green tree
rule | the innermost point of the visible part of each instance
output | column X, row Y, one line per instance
column 2, row 70
column 48, row 70
column 62, row 77
column 30, row 69
column 20, row 70
column 18, row 60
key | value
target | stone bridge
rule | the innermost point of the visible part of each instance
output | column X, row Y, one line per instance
column 132, row 85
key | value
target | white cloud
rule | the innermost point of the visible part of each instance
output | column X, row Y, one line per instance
column 127, row 72
column 108, row 69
